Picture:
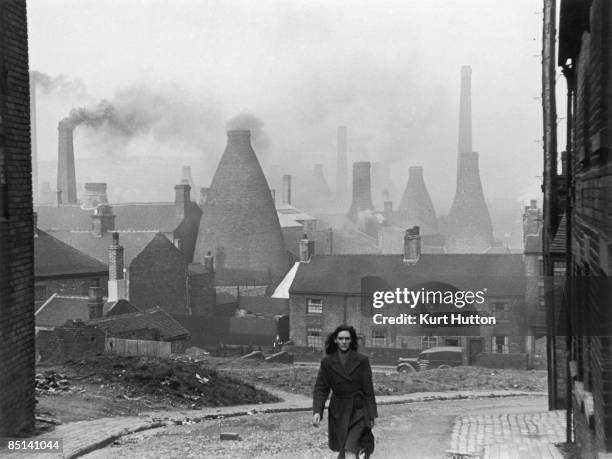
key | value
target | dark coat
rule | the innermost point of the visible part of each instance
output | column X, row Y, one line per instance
column 347, row 385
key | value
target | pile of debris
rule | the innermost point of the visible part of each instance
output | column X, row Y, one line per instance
column 50, row 382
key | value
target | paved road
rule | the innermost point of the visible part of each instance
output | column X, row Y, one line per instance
column 415, row 430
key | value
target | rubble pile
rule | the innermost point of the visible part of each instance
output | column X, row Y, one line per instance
column 50, row 382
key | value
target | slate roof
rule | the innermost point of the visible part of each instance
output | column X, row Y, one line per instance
column 54, row 258
column 97, row 247
column 152, row 319
column 58, row 309
column 128, row 217
column 501, row 274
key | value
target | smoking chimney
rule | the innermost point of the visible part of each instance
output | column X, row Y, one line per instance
column 341, row 167
column 362, row 191
column 416, row 207
column 239, row 224
column 471, row 230
column 95, row 302
column 287, row 189
column 66, row 180
column 117, row 284
column 33, row 136
column 95, row 194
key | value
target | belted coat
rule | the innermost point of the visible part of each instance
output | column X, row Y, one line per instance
column 351, row 386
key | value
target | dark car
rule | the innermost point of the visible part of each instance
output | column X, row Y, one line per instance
column 434, row 357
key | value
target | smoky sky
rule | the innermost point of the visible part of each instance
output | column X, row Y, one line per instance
column 388, row 70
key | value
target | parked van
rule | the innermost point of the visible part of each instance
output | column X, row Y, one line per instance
column 434, row 357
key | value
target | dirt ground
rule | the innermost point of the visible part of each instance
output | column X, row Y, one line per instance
column 120, row 386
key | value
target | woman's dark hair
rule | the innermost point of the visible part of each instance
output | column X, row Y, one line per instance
column 330, row 342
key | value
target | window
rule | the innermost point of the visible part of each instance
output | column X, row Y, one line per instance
column 499, row 344
column 428, row 341
column 379, row 338
column 501, row 311
column 313, row 338
column 315, row 306
column 451, row 341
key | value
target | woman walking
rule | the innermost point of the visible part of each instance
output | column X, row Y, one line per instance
column 352, row 408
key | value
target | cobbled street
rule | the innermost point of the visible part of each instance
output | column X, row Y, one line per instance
column 413, row 430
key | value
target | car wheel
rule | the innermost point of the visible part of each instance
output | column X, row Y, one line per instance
column 443, row 367
column 406, row 369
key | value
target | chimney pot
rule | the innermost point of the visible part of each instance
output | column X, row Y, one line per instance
column 103, row 220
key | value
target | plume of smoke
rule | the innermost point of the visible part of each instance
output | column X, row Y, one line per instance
column 250, row 122
column 60, row 84
column 165, row 114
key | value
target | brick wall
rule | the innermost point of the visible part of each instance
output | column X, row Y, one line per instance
column 73, row 341
column 159, row 277
column 591, row 231
column 502, row 360
column 16, row 238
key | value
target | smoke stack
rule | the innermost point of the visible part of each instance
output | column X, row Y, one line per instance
column 58, row 198
column 182, row 199
column 239, row 223
column 95, row 194
column 117, row 284
column 103, row 220
column 362, row 190
column 465, row 111
column 471, row 230
column 532, row 219
column 341, row 168
column 95, row 302
column 66, row 180
column 412, row 245
column 33, row 138
column 416, row 206
column 286, row 189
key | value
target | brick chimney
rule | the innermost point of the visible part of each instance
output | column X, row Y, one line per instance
column 103, row 220
column 33, row 137
column 306, row 249
column 341, row 167
column 58, row 198
column 95, row 194
column 95, row 302
column 186, row 176
column 287, row 189
column 362, row 190
column 532, row 219
column 117, row 284
column 412, row 246
column 182, row 199
column 66, row 179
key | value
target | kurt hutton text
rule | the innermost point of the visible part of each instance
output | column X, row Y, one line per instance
column 438, row 319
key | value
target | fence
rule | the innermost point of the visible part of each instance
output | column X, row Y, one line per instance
column 138, row 347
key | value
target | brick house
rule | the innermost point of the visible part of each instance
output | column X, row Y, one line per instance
column 16, row 227
column 586, row 59
column 61, row 269
column 325, row 291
